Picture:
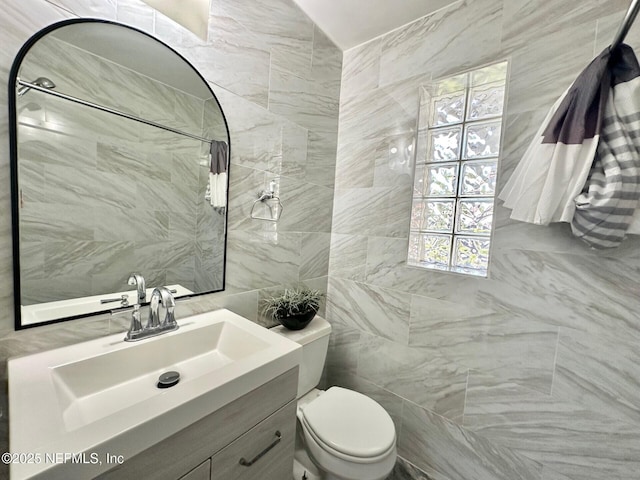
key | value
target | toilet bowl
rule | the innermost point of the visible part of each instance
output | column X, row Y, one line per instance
column 348, row 435
column 345, row 434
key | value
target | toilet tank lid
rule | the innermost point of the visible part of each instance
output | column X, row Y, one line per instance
column 317, row 328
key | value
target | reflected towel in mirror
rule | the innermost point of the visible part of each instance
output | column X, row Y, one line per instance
column 217, row 188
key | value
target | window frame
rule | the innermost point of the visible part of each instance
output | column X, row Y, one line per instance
column 424, row 160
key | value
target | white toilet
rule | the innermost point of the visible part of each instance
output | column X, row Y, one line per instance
column 346, row 435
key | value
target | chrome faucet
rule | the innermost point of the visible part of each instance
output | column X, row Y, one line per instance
column 159, row 296
column 138, row 280
column 162, row 296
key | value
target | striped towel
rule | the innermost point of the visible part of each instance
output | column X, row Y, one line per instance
column 582, row 166
column 607, row 203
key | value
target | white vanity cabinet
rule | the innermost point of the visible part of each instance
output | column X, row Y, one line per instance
column 258, row 427
column 267, row 450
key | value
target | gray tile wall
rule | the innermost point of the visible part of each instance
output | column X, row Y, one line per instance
column 531, row 373
column 528, row 374
column 277, row 77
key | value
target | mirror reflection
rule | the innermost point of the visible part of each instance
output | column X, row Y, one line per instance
column 120, row 152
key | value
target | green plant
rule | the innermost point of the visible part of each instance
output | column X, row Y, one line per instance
column 293, row 301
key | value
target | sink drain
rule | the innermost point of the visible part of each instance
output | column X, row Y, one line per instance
column 168, row 379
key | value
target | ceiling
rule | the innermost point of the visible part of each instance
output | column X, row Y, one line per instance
column 352, row 22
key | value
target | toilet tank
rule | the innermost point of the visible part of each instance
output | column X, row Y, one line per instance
column 314, row 339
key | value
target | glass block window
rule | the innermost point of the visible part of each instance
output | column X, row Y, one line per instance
column 454, row 186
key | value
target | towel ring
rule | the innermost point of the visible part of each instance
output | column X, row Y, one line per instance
column 265, row 197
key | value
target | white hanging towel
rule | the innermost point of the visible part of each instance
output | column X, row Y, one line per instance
column 217, row 188
column 583, row 166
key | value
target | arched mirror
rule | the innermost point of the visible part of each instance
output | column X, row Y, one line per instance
column 119, row 152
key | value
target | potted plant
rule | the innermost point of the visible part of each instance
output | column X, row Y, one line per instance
column 294, row 308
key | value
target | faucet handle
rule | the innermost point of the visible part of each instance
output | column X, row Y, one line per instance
column 124, row 300
column 136, row 325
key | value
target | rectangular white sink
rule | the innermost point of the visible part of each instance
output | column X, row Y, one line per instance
column 101, row 397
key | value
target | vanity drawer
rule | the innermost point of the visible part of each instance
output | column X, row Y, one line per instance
column 173, row 457
column 201, row 472
column 263, row 453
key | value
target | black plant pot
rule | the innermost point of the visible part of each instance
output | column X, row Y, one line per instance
column 297, row 322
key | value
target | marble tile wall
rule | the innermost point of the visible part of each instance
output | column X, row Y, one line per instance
column 533, row 372
column 278, row 78
column 527, row 374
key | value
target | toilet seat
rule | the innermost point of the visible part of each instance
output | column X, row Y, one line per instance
column 309, row 433
column 349, row 426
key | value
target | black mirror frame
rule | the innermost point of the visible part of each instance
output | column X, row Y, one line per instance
column 13, row 156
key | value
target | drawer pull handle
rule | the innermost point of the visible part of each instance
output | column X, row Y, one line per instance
column 244, row 463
